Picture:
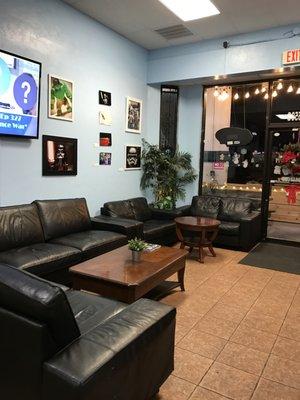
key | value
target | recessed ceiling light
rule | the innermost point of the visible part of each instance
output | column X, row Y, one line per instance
column 188, row 10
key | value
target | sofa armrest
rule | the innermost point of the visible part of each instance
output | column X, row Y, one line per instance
column 250, row 230
column 157, row 213
column 128, row 227
column 127, row 357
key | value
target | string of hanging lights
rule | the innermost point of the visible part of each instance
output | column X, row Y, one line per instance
column 222, row 93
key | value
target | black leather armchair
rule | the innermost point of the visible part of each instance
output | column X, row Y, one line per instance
column 240, row 225
column 155, row 226
column 68, row 345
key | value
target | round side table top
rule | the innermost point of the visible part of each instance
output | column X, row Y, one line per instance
column 200, row 222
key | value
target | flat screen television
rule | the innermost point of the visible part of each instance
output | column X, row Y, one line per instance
column 19, row 96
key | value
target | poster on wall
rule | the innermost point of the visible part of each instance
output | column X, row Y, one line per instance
column 133, row 157
column 133, row 115
column 105, row 117
column 105, row 139
column 61, row 94
column 59, row 155
column 105, row 158
column 104, row 98
column 19, row 96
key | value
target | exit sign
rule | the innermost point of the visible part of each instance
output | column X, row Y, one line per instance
column 291, row 57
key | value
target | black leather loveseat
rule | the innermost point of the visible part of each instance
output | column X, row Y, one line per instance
column 240, row 225
column 47, row 237
column 61, row 344
column 153, row 225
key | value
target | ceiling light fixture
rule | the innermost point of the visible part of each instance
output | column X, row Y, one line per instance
column 256, row 91
column 290, row 89
column 274, row 94
column 188, row 10
column 236, row 96
column 266, row 96
column 263, row 89
column 298, row 90
column 279, row 86
column 247, row 95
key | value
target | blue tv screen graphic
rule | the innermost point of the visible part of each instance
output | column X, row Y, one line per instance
column 19, row 96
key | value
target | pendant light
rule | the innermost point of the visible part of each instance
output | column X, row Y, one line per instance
column 290, row 89
column 247, row 95
column 263, row 89
column 274, row 94
column 279, row 86
column 266, row 96
column 236, row 96
column 298, row 90
column 256, row 91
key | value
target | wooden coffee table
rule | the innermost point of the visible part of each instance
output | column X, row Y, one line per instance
column 114, row 274
column 197, row 232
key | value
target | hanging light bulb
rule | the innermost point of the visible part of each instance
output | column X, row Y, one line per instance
column 274, row 94
column 256, row 91
column 216, row 92
column 247, row 95
column 290, row 89
column 236, row 96
column 263, row 89
column 298, row 90
column 279, row 86
column 266, row 96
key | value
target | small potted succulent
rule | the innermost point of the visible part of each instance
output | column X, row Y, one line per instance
column 136, row 246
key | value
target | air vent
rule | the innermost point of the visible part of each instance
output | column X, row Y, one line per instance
column 174, row 32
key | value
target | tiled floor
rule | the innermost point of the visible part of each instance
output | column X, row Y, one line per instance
column 237, row 334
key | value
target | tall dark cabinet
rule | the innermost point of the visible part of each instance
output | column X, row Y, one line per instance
column 168, row 118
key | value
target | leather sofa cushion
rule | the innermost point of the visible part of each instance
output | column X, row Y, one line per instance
column 42, row 258
column 229, row 228
column 34, row 298
column 156, row 228
column 19, row 226
column 91, row 310
column 62, row 217
column 141, row 210
column 92, row 243
column 205, row 206
column 122, row 209
column 234, row 209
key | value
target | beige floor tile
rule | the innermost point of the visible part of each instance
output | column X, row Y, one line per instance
column 190, row 366
column 287, row 348
column 204, row 394
column 272, row 308
column 230, row 382
column 227, row 313
column 291, row 328
column 268, row 390
column 244, row 358
column 255, row 319
column 175, row 389
column 216, row 326
column 187, row 317
column 254, row 338
column 180, row 332
column 202, row 343
column 284, row 371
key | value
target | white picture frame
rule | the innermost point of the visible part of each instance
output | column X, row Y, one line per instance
column 134, row 114
column 60, row 108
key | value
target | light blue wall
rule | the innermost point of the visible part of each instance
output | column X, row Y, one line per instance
column 76, row 47
column 208, row 58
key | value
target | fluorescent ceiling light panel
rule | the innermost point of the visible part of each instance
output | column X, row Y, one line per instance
column 188, row 10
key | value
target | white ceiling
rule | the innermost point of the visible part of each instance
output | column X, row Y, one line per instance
column 137, row 19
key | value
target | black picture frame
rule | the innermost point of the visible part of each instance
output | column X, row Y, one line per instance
column 104, row 98
column 105, row 139
column 4, row 135
column 69, row 150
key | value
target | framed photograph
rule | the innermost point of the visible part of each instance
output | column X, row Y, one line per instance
column 105, row 117
column 105, row 158
column 133, row 157
column 104, row 98
column 105, row 139
column 59, row 155
column 133, row 115
column 60, row 102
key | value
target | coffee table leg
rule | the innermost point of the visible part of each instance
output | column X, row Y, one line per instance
column 201, row 254
column 181, row 278
column 212, row 251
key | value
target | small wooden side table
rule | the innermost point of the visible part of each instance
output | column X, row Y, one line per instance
column 197, row 232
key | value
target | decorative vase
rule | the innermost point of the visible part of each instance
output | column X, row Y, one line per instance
column 136, row 255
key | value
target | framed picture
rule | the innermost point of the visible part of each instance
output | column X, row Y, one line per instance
column 104, row 98
column 105, row 158
column 105, row 139
column 133, row 157
column 59, row 155
column 60, row 101
column 105, row 117
column 133, row 115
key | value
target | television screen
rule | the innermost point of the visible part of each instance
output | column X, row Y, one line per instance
column 19, row 96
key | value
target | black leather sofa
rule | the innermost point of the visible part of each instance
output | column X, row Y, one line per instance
column 240, row 224
column 153, row 225
column 47, row 237
column 254, row 197
column 61, row 344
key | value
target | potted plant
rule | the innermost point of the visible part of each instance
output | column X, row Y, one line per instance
column 166, row 173
column 136, row 246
